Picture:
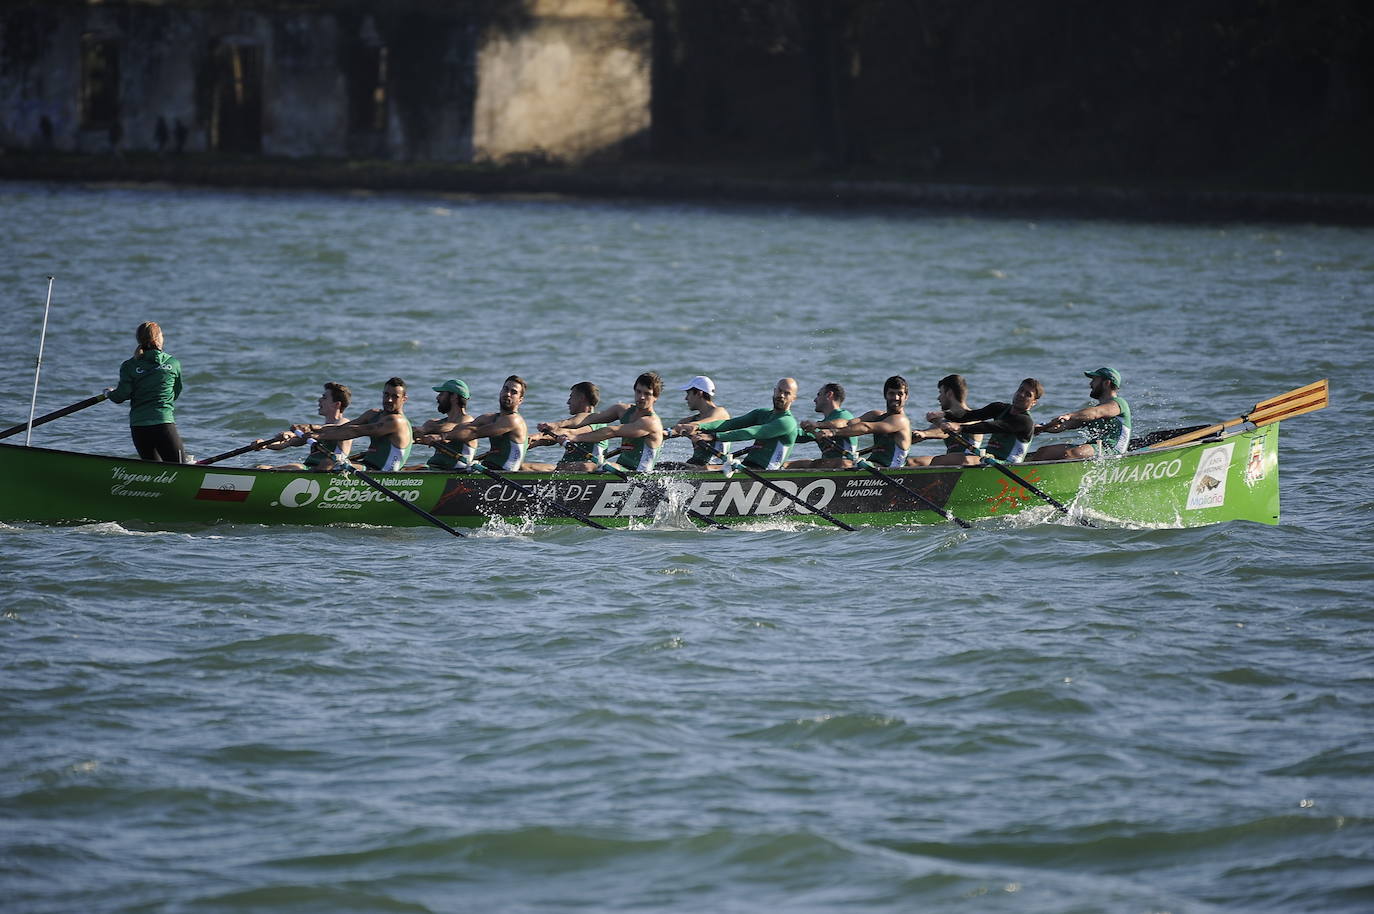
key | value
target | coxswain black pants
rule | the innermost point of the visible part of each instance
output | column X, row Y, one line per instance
column 159, row 442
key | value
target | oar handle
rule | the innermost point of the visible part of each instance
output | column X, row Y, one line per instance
column 254, row 446
column 55, row 414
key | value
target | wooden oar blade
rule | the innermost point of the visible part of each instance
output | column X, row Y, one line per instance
column 1304, row 400
column 1307, row 390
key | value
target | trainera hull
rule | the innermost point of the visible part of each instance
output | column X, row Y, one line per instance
column 1235, row 478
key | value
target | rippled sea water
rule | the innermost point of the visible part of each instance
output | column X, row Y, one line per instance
column 1028, row 716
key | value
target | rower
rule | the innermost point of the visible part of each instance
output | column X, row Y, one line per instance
column 700, row 397
column 634, row 423
column 451, row 399
column 836, row 453
column 505, row 429
column 890, row 427
column 952, row 394
column 582, row 400
column 388, row 430
column 1107, row 425
column 332, row 404
column 1009, row 426
column 773, row 431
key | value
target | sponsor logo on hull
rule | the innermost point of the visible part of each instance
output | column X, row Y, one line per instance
column 718, row 497
column 1208, row 489
column 343, row 492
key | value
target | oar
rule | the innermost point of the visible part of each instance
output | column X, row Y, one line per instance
column 526, row 490
column 752, row 474
column 255, row 446
column 56, row 414
column 367, row 478
column 1306, row 399
column 874, row 471
column 640, row 484
column 1006, row 471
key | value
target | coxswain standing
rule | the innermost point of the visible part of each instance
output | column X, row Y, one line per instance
column 151, row 382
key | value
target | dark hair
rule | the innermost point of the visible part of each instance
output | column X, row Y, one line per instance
column 896, row 382
column 1036, row 387
column 589, row 391
column 524, row 388
column 339, row 394
column 395, row 382
column 651, row 380
column 835, row 390
column 955, row 384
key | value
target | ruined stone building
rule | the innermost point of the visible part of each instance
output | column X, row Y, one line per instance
column 393, row 79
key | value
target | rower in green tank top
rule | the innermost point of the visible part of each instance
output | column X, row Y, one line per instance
column 773, row 431
column 890, row 427
column 387, row 429
column 504, row 429
column 699, row 393
column 640, row 430
column 836, row 453
column 1009, row 428
column 583, row 398
column 451, row 399
column 321, row 458
column 1107, row 425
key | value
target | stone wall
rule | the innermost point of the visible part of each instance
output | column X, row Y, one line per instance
column 567, row 80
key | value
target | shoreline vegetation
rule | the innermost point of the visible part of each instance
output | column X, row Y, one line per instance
column 705, row 183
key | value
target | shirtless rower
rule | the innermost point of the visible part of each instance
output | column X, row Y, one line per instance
column 773, row 431
column 700, row 394
column 451, row 399
column 1107, row 425
column 332, row 403
column 388, row 430
column 505, row 429
column 582, row 400
column 952, row 394
column 635, row 424
column 890, row 427
column 1009, row 428
column 836, row 453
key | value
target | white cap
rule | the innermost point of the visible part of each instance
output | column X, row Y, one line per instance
column 701, row 383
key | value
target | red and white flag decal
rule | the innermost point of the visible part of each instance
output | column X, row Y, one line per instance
column 223, row 487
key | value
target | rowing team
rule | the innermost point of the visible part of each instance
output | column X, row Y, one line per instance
column 998, row 432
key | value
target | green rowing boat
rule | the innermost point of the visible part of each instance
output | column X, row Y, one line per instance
column 1225, row 477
